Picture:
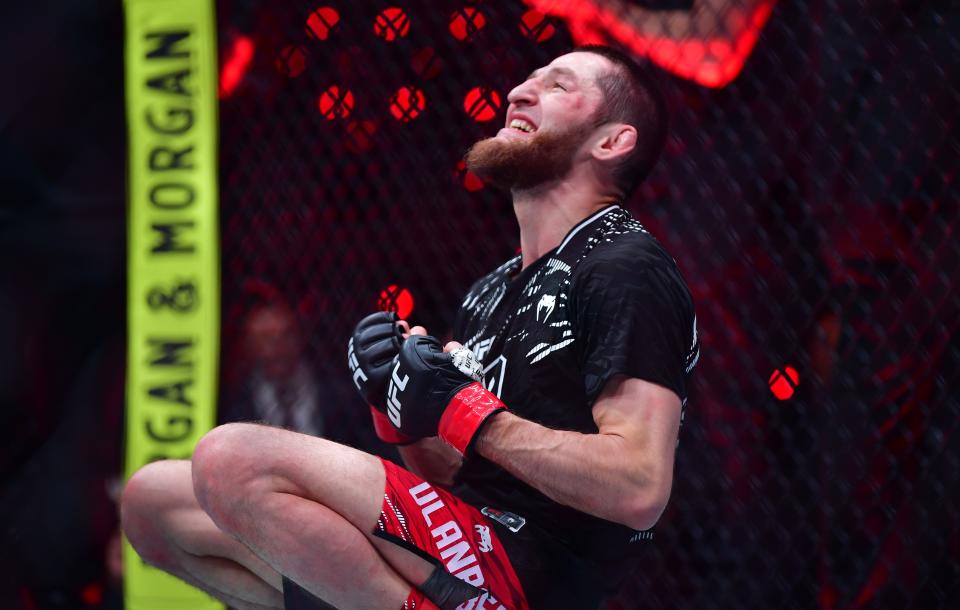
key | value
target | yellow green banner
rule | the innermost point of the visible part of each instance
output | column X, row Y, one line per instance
column 173, row 254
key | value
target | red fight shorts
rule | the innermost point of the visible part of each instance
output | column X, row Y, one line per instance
column 453, row 533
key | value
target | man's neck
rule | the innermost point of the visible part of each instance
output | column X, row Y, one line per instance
column 547, row 213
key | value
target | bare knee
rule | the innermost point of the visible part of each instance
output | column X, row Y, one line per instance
column 228, row 463
column 148, row 499
column 239, row 469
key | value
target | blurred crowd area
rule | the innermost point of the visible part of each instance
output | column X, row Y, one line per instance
column 808, row 192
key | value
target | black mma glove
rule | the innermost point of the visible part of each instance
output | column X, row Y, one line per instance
column 371, row 353
column 436, row 393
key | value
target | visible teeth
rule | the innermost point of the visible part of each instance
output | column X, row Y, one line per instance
column 521, row 125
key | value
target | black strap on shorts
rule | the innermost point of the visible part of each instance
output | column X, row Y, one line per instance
column 446, row 590
column 441, row 587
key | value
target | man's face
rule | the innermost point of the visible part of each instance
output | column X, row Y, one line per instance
column 272, row 341
column 549, row 120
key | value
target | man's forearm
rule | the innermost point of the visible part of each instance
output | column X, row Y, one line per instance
column 594, row 473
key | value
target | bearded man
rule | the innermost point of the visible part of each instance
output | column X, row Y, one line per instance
column 539, row 446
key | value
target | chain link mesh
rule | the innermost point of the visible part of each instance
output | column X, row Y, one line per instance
column 807, row 192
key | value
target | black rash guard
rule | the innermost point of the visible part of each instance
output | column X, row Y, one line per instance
column 607, row 301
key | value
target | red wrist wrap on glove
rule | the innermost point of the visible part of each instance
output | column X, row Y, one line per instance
column 385, row 430
column 466, row 413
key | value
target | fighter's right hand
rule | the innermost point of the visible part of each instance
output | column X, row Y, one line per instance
column 374, row 344
column 371, row 354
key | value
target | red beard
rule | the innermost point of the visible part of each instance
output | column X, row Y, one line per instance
column 520, row 165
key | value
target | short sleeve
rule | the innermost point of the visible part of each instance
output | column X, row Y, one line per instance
column 633, row 317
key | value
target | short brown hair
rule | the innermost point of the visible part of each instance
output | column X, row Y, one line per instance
column 632, row 96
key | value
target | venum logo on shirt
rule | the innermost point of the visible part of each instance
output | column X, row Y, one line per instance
column 546, row 305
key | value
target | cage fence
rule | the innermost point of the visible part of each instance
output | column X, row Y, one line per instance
column 807, row 192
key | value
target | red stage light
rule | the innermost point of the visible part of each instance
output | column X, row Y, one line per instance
column 292, row 61
column 335, row 103
column 407, row 103
column 537, row 26
column 360, row 136
column 482, row 103
column 783, row 382
column 395, row 298
column 391, row 23
column 236, row 64
column 711, row 62
column 92, row 594
column 321, row 22
column 468, row 179
column 465, row 22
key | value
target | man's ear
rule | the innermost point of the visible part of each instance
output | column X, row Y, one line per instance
column 617, row 141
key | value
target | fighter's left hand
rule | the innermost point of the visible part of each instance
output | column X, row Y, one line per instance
column 433, row 392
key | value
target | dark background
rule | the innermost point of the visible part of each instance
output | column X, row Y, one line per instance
column 811, row 205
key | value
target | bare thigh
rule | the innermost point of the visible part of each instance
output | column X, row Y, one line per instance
column 235, row 463
column 239, row 468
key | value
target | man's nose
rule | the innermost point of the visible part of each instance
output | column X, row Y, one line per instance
column 523, row 94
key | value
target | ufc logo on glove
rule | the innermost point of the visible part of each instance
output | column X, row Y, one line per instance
column 393, row 402
column 448, row 399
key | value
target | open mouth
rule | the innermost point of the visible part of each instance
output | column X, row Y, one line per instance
column 522, row 125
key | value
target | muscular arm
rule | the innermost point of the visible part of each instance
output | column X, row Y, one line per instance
column 623, row 474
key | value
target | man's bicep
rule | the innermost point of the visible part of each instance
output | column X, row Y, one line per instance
column 634, row 321
column 647, row 416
